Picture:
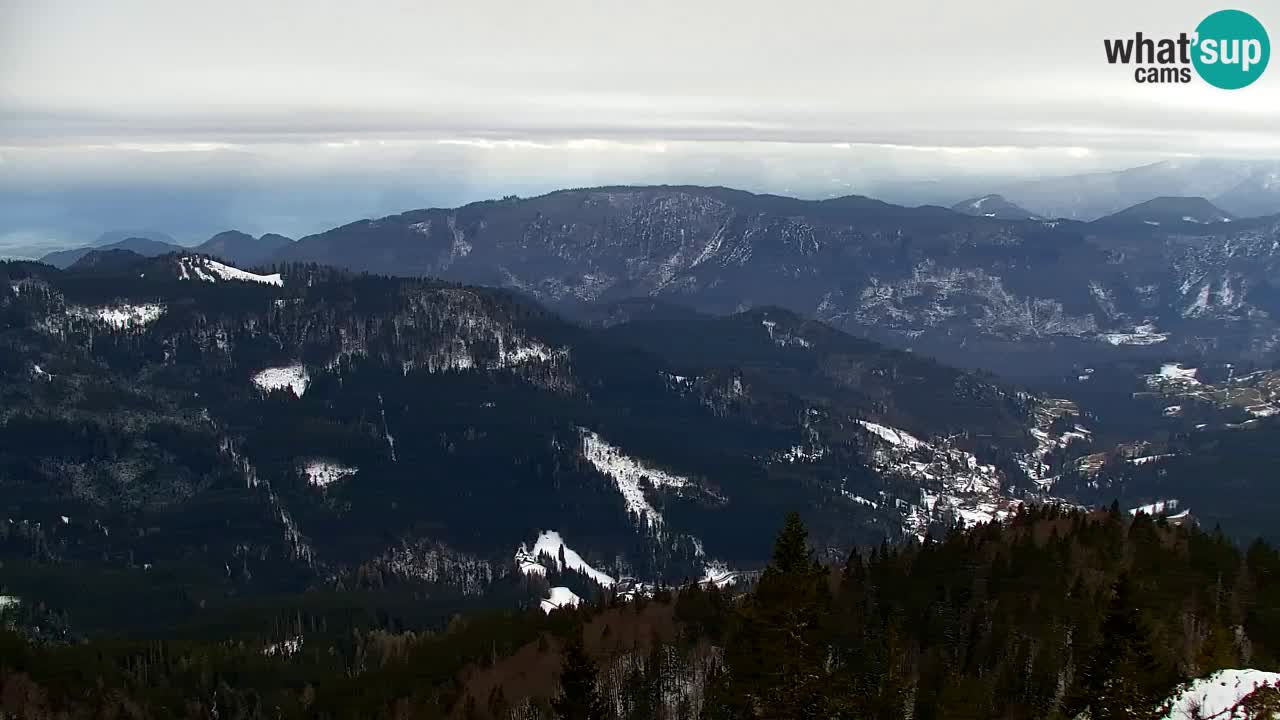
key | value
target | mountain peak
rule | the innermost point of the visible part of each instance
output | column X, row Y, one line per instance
column 112, row 259
column 241, row 248
column 1171, row 210
column 145, row 247
column 113, row 237
column 994, row 206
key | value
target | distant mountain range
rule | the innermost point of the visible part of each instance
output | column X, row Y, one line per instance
column 988, row 284
column 243, row 249
column 233, row 246
column 145, row 247
column 972, row 290
column 1242, row 188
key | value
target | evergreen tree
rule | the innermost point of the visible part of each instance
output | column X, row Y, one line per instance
column 579, row 698
column 1117, row 682
column 777, row 660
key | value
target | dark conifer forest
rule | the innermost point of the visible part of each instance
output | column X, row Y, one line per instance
column 307, row 493
column 1048, row 615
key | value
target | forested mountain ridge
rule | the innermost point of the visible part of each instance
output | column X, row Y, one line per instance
column 309, row 427
column 1022, row 297
column 1046, row 616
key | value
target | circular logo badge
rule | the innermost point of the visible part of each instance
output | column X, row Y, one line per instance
column 1232, row 49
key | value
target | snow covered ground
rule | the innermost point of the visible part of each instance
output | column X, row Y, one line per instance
column 628, row 473
column 324, row 472
column 294, row 377
column 953, row 483
column 1151, row 458
column 893, row 436
column 1173, row 373
column 1141, row 335
column 1159, row 507
column 1218, row 696
column 122, row 317
column 718, row 574
column 561, row 597
column 206, row 270
column 549, row 543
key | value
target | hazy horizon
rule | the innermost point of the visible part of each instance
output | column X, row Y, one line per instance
column 292, row 117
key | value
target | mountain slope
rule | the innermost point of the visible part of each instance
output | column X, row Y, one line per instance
column 243, row 249
column 111, row 237
column 1170, row 211
column 141, row 246
column 344, row 424
column 994, row 206
column 1095, row 195
column 1016, row 297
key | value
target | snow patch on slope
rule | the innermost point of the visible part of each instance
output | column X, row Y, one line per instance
column 1219, row 695
column 1141, row 335
column 294, row 377
column 717, row 574
column 629, row 474
column 207, row 270
column 561, row 597
column 1160, row 507
column 122, row 317
column 893, row 436
column 322, row 473
column 952, row 483
column 549, row 543
column 1173, row 374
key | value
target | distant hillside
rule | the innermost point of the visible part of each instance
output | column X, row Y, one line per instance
column 1170, row 211
column 113, row 260
column 141, row 246
column 242, row 249
column 1016, row 297
column 112, row 237
column 994, row 206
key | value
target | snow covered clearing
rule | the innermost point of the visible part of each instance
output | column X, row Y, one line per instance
column 1160, row 507
column 206, row 270
column 322, row 473
column 1218, row 696
column 561, row 597
column 893, row 436
column 294, row 377
column 549, row 543
column 122, row 317
column 628, row 473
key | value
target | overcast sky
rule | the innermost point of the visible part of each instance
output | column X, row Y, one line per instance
column 476, row 98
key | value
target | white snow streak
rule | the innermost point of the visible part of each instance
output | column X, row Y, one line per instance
column 628, row 474
column 893, row 436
